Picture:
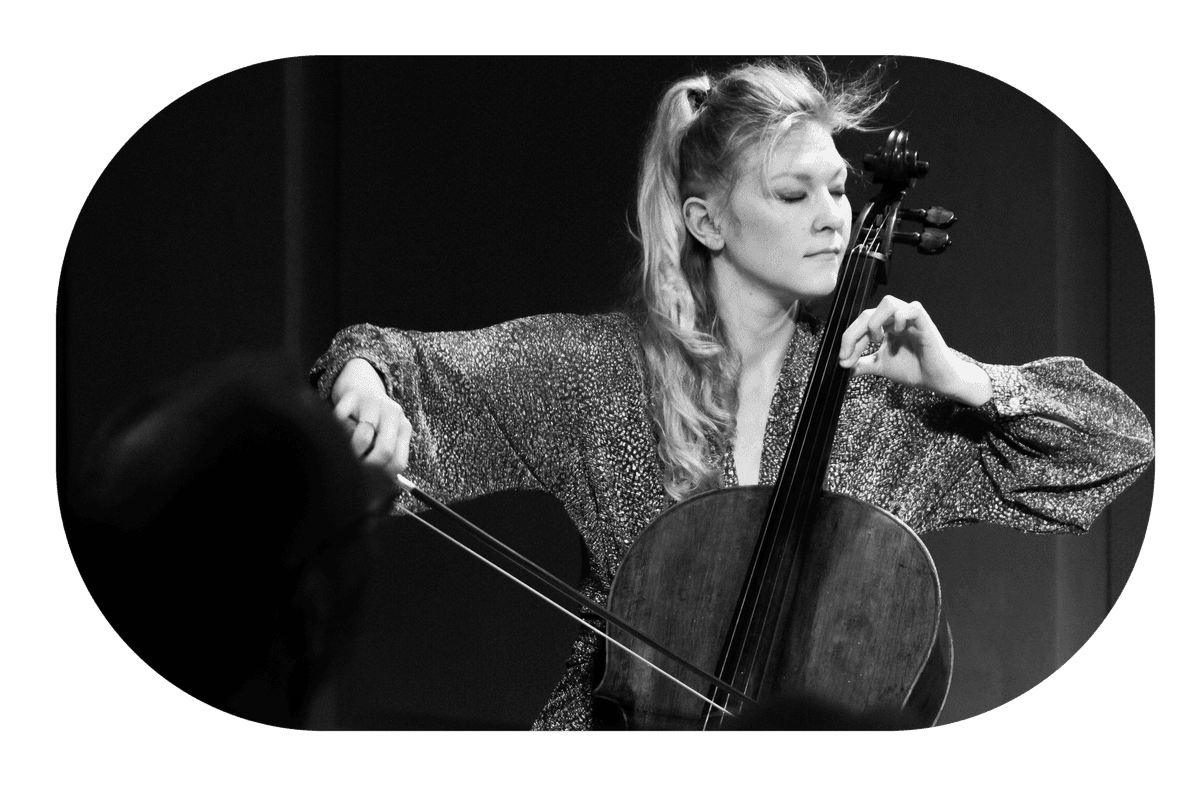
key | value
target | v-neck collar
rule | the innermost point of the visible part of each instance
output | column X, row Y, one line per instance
column 785, row 404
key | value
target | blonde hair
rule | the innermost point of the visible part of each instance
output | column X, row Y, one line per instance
column 701, row 129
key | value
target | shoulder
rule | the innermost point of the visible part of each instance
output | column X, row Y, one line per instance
column 586, row 336
column 611, row 328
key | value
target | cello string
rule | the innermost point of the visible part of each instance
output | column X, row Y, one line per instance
column 827, row 401
column 810, row 460
column 827, row 394
column 826, row 366
column 766, row 565
column 859, row 282
column 768, row 550
column 564, row 610
column 833, row 383
column 830, row 384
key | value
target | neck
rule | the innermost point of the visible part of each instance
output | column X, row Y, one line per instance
column 758, row 327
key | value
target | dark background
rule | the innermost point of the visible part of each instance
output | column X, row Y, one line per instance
column 273, row 205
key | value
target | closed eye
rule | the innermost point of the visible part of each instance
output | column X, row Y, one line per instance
column 838, row 192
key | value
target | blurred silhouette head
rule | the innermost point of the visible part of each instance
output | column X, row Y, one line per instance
column 219, row 527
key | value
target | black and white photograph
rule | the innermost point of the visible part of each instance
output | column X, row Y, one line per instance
column 418, row 398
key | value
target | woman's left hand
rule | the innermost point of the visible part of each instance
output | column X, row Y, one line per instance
column 912, row 352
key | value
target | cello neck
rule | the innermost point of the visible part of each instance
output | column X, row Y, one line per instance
column 806, row 460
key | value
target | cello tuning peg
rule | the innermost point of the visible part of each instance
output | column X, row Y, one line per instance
column 936, row 217
column 929, row 242
column 933, row 241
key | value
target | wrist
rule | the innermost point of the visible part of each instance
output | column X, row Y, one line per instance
column 970, row 385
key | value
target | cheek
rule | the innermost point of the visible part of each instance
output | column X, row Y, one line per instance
column 777, row 233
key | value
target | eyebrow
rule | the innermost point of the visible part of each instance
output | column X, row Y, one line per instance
column 809, row 177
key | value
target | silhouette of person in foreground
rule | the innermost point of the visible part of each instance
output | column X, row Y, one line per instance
column 219, row 524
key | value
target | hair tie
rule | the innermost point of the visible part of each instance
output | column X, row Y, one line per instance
column 698, row 98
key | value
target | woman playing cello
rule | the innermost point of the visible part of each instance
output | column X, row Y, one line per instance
column 743, row 222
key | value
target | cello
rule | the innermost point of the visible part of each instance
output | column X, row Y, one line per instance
column 789, row 592
column 772, row 595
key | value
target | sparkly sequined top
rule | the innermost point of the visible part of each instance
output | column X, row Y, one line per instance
column 559, row 403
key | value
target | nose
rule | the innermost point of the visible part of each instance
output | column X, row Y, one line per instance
column 833, row 213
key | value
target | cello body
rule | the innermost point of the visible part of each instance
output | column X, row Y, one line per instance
column 863, row 630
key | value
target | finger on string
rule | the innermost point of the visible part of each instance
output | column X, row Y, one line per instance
column 879, row 320
column 905, row 317
column 854, row 334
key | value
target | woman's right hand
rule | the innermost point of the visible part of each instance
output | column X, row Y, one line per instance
column 379, row 431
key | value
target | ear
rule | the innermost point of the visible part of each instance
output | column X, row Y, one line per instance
column 700, row 217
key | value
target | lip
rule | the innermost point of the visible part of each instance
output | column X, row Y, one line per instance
column 828, row 251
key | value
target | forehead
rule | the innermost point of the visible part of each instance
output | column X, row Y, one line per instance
column 806, row 151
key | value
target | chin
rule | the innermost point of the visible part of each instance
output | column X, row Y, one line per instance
column 815, row 299
column 820, row 290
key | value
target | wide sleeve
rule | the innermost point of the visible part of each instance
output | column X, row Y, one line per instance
column 1053, row 447
column 504, row 407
